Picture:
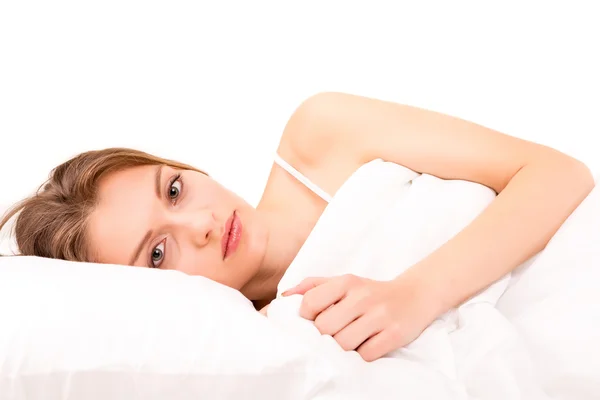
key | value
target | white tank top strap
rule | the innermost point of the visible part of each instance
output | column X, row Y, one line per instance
column 303, row 179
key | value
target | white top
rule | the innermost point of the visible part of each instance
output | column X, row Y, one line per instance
column 303, row 179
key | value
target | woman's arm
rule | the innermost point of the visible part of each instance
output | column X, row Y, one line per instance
column 538, row 187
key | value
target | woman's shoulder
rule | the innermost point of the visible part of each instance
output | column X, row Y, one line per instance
column 314, row 147
column 310, row 131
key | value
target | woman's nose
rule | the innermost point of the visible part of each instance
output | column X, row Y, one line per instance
column 200, row 226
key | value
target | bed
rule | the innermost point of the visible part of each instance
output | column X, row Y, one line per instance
column 90, row 331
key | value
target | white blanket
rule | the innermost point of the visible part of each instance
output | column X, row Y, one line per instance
column 384, row 219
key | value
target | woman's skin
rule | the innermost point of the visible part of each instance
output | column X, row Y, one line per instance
column 180, row 224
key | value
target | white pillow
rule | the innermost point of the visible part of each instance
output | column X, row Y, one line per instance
column 91, row 331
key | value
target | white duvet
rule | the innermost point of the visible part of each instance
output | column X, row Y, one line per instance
column 532, row 335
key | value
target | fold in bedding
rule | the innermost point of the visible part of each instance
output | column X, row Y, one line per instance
column 384, row 219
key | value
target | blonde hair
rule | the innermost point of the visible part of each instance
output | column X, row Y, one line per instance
column 52, row 222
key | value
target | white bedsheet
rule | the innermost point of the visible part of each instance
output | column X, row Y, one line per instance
column 530, row 336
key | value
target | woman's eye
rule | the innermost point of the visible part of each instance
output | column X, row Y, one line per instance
column 158, row 254
column 175, row 189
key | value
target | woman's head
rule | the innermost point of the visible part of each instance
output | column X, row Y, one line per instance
column 122, row 206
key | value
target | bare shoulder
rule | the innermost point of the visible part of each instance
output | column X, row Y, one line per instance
column 317, row 148
column 308, row 131
column 340, row 126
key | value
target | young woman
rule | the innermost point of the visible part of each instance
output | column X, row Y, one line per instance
column 122, row 206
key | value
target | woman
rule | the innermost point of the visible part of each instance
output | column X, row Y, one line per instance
column 122, row 206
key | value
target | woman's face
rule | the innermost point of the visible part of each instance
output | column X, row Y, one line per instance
column 161, row 217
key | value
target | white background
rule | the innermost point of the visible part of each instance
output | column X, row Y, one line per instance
column 213, row 84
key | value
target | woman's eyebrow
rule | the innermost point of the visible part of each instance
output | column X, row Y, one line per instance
column 157, row 180
column 140, row 246
column 157, row 186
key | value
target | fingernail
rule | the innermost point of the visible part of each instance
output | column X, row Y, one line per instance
column 286, row 293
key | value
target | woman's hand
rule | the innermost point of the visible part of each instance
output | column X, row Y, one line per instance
column 371, row 317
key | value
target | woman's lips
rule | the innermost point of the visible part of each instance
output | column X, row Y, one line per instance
column 231, row 237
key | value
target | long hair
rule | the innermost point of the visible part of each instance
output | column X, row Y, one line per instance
column 52, row 223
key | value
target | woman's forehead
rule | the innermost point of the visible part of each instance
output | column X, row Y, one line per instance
column 122, row 214
column 128, row 178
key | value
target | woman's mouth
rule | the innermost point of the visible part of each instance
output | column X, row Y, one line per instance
column 231, row 237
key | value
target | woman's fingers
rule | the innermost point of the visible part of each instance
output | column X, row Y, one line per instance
column 357, row 332
column 380, row 344
column 321, row 297
column 337, row 317
column 306, row 285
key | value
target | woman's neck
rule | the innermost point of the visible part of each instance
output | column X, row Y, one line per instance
column 283, row 244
